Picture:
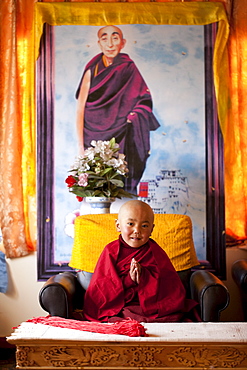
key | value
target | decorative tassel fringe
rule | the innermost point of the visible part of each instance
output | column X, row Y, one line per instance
column 129, row 327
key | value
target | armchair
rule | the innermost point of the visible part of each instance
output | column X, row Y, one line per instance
column 62, row 295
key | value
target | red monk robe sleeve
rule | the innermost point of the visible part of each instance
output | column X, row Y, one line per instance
column 105, row 296
column 161, row 291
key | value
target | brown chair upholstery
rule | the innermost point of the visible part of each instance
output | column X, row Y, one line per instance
column 239, row 274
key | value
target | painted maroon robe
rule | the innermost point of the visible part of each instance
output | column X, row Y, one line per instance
column 159, row 297
column 119, row 105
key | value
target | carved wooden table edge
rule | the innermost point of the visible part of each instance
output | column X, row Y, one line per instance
column 219, row 347
column 150, row 355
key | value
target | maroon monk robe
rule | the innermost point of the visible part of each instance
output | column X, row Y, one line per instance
column 119, row 105
column 159, row 297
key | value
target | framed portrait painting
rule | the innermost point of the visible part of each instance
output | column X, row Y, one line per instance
column 183, row 173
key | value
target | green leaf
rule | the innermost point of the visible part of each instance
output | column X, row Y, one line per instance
column 97, row 193
column 116, row 175
column 105, row 171
column 93, row 175
column 88, row 193
column 118, row 183
column 82, row 192
column 125, row 194
column 112, row 142
column 97, row 159
column 107, row 193
column 100, row 183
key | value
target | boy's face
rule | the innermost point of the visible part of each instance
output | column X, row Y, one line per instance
column 110, row 41
column 135, row 222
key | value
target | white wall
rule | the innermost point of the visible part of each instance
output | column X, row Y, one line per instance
column 21, row 300
column 20, row 303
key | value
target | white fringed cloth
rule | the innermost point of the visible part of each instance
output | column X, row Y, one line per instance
column 232, row 332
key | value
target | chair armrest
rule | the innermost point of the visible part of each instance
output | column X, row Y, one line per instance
column 211, row 294
column 61, row 294
column 239, row 274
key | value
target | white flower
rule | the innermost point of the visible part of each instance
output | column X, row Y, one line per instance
column 123, row 170
column 106, row 155
column 113, row 162
column 93, row 143
column 90, row 153
column 83, row 167
column 121, row 156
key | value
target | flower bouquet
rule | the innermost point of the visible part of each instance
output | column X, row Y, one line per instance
column 99, row 172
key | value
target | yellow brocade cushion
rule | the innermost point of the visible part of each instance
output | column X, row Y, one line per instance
column 93, row 232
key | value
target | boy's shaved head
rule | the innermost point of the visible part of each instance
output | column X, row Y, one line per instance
column 136, row 205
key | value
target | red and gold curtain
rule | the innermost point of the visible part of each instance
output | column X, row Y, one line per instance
column 17, row 100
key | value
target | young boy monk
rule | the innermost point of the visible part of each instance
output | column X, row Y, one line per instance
column 134, row 276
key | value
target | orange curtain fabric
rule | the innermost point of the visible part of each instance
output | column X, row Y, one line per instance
column 17, row 172
column 236, row 133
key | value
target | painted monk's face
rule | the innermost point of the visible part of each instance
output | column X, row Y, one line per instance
column 111, row 41
column 135, row 222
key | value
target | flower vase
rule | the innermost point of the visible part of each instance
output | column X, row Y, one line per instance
column 100, row 205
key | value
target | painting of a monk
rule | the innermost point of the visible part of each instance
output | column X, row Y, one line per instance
column 112, row 71
column 114, row 101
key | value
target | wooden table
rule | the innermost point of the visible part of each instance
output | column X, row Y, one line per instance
column 168, row 346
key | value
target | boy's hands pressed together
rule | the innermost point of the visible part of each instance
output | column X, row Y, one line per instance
column 135, row 271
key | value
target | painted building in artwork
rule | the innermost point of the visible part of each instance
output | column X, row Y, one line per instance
column 168, row 192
